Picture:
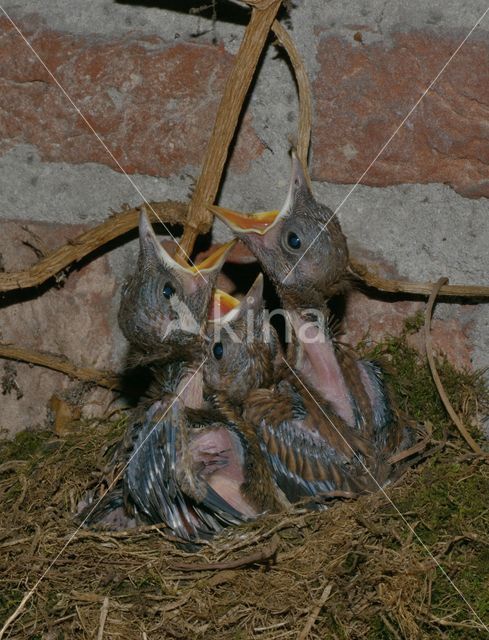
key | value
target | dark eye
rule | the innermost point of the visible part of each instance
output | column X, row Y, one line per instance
column 168, row 290
column 218, row 350
column 293, row 240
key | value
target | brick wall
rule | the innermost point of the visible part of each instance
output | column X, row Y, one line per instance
column 149, row 80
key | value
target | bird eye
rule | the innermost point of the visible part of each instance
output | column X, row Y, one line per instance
column 218, row 350
column 168, row 290
column 293, row 240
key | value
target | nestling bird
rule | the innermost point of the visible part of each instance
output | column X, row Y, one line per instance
column 186, row 463
column 242, row 357
column 164, row 304
column 304, row 252
column 301, row 248
column 304, row 452
column 162, row 314
column 199, row 469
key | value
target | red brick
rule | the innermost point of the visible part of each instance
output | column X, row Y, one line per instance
column 374, row 319
column 152, row 102
column 363, row 92
column 76, row 321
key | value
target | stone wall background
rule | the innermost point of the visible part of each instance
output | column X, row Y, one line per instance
column 149, row 76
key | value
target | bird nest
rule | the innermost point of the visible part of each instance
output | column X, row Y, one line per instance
column 380, row 566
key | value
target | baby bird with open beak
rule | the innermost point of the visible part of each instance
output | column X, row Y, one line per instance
column 304, row 252
column 164, row 303
column 242, row 355
column 185, row 463
column 199, row 469
column 301, row 448
column 163, row 313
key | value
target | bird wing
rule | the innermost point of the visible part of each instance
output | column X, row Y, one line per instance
column 162, row 478
column 303, row 460
column 106, row 511
column 392, row 432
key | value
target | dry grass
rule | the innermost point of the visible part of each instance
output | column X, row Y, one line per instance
column 362, row 569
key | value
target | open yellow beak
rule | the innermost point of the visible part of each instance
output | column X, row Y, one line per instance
column 222, row 304
column 212, row 261
column 245, row 223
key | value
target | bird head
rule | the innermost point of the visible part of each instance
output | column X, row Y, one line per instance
column 242, row 346
column 165, row 303
column 301, row 247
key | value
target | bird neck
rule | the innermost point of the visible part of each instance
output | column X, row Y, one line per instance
column 190, row 387
column 178, row 377
column 316, row 362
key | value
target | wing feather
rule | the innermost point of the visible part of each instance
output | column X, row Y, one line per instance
column 153, row 478
column 294, row 438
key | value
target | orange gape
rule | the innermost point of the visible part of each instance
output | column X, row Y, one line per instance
column 221, row 304
column 257, row 222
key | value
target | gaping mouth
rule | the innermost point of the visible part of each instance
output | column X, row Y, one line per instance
column 225, row 307
column 222, row 303
column 263, row 221
column 246, row 223
column 210, row 263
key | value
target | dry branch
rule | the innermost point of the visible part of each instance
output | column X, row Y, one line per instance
column 304, row 90
column 265, row 555
column 418, row 288
column 103, row 617
column 237, row 85
column 104, row 379
column 431, row 361
column 176, row 213
column 121, row 223
column 87, row 242
column 315, row 612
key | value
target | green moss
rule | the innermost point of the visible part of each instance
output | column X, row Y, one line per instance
column 408, row 374
column 414, row 323
column 72, row 460
column 444, row 499
column 25, row 444
column 378, row 630
column 9, row 598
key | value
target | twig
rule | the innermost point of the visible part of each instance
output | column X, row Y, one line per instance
column 176, row 212
column 13, row 617
column 304, row 90
column 417, row 288
column 265, row 555
column 103, row 617
column 315, row 612
column 104, row 379
column 431, row 361
column 390, row 627
column 145, row 530
column 407, row 453
column 473, row 537
column 227, row 117
column 461, row 625
column 86, row 243
column 11, row 465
